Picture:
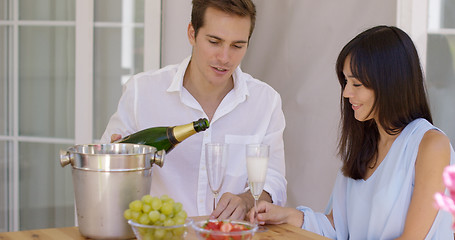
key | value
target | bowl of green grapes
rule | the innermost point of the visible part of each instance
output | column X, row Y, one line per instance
column 157, row 218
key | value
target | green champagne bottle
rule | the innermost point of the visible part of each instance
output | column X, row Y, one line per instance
column 166, row 137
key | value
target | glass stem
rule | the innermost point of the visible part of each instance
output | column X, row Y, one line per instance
column 215, row 195
column 256, row 211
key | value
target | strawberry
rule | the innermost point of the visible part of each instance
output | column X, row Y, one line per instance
column 226, row 227
column 212, row 226
column 219, row 226
column 238, row 227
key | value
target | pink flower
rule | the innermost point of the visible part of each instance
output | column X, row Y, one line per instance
column 449, row 177
column 443, row 201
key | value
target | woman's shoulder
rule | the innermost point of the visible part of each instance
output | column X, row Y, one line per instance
column 434, row 148
column 434, row 139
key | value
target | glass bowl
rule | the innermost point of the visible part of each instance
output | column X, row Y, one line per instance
column 147, row 232
column 240, row 230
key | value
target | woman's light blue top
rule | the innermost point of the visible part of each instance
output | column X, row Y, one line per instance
column 376, row 208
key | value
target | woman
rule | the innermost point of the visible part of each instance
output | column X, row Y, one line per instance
column 393, row 157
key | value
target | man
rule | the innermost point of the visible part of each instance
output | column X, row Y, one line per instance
column 209, row 84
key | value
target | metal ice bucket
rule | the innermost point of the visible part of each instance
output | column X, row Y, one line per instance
column 106, row 178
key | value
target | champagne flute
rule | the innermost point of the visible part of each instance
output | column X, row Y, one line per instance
column 215, row 162
column 257, row 157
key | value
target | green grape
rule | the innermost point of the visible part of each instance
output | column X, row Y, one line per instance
column 177, row 207
column 179, row 231
column 179, row 221
column 162, row 211
column 151, row 232
column 168, row 235
column 136, row 205
column 127, row 214
column 170, row 200
column 181, row 214
column 148, row 236
column 144, row 219
column 147, row 199
column 146, row 208
column 154, row 216
column 168, row 222
column 159, row 233
column 164, row 197
column 156, row 204
column 135, row 216
column 142, row 231
column 167, row 208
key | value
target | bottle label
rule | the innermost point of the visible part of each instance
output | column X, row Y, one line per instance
column 171, row 137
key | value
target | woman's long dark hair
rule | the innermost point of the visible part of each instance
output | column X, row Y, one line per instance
column 385, row 60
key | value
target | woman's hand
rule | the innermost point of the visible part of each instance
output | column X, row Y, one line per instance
column 269, row 213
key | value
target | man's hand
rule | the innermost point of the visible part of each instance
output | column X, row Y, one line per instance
column 233, row 206
column 115, row 137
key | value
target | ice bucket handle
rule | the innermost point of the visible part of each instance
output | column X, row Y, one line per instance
column 64, row 158
column 158, row 158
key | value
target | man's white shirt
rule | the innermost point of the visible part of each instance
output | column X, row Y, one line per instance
column 249, row 113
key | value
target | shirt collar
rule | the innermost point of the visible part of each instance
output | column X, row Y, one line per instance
column 177, row 81
column 240, row 86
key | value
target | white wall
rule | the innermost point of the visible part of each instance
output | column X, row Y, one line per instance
column 294, row 49
column 175, row 45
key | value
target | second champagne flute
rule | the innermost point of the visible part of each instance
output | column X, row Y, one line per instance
column 215, row 164
column 257, row 158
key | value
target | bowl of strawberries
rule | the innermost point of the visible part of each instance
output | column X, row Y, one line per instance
column 214, row 229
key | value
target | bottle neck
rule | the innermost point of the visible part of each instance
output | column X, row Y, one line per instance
column 201, row 124
column 181, row 132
